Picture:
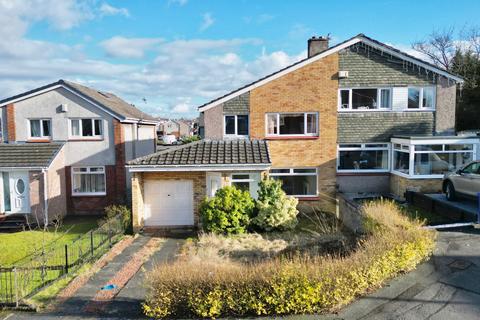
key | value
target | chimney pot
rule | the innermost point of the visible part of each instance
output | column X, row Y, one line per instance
column 317, row 45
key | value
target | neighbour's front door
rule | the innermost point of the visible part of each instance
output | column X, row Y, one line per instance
column 19, row 192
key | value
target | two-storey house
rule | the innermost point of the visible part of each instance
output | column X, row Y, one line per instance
column 64, row 150
column 356, row 117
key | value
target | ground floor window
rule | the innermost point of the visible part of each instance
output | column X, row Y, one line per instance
column 299, row 182
column 430, row 159
column 246, row 182
column 367, row 157
column 88, row 181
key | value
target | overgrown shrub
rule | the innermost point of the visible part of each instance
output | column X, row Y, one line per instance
column 125, row 213
column 189, row 139
column 275, row 210
column 297, row 285
column 228, row 212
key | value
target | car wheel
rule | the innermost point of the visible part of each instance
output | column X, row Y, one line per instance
column 450, row 191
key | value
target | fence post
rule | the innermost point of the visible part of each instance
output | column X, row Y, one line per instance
column 66, row 258
column 110, row 237
column 15, row 283
column 91, row 242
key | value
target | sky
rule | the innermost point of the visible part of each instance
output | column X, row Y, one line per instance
column 170, row 56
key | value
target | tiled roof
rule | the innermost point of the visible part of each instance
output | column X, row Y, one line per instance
column 37, row 155
column 107, row 100
column 207, row 152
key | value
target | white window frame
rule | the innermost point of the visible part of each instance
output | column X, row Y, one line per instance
column 364, row 147
column 73, row 173
column 305, row 125
column 81, row 137
column 350, row 99
column 408, row 146
column 42, row 135
column 236, row 125
column 421, row 107
column 293, row 173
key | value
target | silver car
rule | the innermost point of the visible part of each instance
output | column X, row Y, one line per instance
column 465, row 181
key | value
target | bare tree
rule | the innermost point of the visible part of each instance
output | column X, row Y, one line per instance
column 471, row 39
column 440, row 46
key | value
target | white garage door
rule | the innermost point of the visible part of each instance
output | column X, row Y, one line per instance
column 168, row 202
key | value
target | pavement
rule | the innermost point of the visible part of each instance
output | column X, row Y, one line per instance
column 126, row 304
column 444, row 288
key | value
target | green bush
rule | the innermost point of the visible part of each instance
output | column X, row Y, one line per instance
column 114, row 210
column 206, row 289
column 189, row 139
column 228, row 212
column 275, row 210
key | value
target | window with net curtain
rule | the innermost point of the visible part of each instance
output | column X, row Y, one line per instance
column 40, row 128
column 88, row 180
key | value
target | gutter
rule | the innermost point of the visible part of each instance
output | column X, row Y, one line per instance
column 224, row 167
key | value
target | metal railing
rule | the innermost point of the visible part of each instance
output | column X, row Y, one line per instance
column 35, row 272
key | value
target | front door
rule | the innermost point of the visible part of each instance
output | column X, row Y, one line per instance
column 19, row 192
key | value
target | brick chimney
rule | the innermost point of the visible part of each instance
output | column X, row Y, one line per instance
column 317, row 45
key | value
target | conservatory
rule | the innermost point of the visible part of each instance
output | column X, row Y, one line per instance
column 430, row 157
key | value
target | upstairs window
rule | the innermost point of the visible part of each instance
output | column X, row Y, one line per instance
column 40, row 129
column 365, row 98
column 421, row 98
column 86, row 128
column 292, row 124
column 236, row 125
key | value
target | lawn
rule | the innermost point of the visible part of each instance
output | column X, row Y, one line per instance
column 16, row 246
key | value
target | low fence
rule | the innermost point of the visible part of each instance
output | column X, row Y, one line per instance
column 35, row 272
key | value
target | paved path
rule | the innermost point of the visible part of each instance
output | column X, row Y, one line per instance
column 126, row 304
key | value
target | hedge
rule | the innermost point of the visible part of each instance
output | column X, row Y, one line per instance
column 295, row 285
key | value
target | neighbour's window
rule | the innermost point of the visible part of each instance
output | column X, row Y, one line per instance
column 88, row 181
column 421, row 98
column 401, row 158
column 365, row 98
column 297, row 182
column 86, row 128
column 40, row 128
column 363, row 157
column 236, row 125
column 431, row 159
column 440, row 158
column 292, row 124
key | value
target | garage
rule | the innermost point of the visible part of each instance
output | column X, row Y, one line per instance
column 168, row 203
column 169, row 186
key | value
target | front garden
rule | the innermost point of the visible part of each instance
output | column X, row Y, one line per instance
column 265, row 258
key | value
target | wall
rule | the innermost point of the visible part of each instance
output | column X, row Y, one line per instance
column 358, row 127
column 94, row 205
column 445, row 108
column 36, row 215
column 76, row 152
column 399, row 185
column 371, row 68
column 57, row 189
column 213, row 119
column 377, row 183
column 238, row 105
column 311, row 88
column 199, row 191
